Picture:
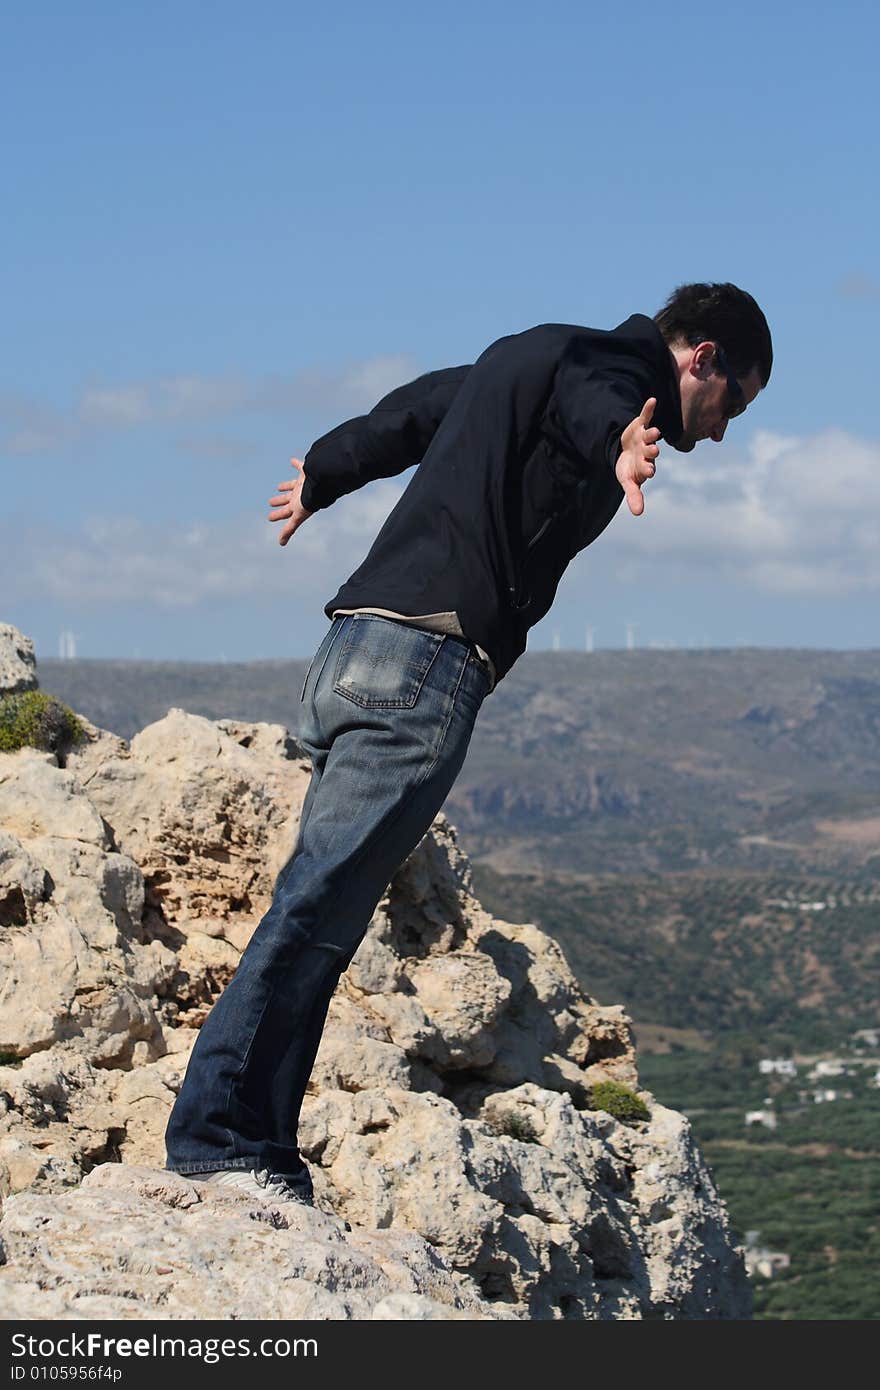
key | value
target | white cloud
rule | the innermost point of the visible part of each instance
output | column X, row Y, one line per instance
column 794, row 516
column 30, row 426
column 119, row 405
column 113, row 560
column 789, row 516
column 169, row 398
column 353, row 388
column 350, row 389
column 33, row 441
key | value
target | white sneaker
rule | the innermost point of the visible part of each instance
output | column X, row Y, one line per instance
column 254, row 1183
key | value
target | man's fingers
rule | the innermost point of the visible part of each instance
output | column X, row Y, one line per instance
column 635, row 500
column 285, row 502
column 647, row 411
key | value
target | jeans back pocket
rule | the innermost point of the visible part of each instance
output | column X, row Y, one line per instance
column 383, row 664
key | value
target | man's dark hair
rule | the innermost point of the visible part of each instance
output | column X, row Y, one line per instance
column 720, row 314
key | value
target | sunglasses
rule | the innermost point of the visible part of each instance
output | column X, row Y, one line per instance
column 736, row 396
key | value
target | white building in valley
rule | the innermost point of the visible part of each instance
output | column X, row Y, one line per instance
column 767, row 1118
column 777, row 1066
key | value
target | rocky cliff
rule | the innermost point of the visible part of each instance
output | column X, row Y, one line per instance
column 459, row 1168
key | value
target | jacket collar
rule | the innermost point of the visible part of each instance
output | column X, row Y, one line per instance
column 648, row 341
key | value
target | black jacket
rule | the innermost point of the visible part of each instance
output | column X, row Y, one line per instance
column 516, row 460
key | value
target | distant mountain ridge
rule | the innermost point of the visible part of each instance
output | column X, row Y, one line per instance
column 609, row 762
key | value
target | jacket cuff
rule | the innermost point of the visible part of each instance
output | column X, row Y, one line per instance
column 613, row 447
column 312, row 497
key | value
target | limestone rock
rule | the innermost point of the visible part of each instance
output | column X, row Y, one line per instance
column 57, row 1120
column 18, row 667
column 39, row 798
column 447, row 1118
column 23, row 883
column 72, row 963
column 135, row 1243
column 97, row 747
column 208, row 810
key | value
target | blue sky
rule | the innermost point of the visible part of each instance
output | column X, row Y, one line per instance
column 229, row 227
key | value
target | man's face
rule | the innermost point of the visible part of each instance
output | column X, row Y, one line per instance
column 708, row 402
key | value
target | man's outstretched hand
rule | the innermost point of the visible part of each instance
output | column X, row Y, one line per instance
column 638, row 451
column 286, row 505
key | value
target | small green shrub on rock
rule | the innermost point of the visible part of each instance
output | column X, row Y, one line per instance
column 618, row 1101
column 32, row 719
column 515, row 1125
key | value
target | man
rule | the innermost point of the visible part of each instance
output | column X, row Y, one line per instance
column 523, row 459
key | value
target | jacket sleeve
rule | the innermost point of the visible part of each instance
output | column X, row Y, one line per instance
column 393, row 437
column 593, row 403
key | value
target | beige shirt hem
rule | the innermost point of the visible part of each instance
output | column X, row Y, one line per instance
column 430, row 622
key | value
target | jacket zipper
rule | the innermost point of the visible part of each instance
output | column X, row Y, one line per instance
column 518, row 603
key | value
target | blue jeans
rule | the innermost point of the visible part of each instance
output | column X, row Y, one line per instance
column 388, row 712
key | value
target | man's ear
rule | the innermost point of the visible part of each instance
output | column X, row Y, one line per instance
column 703, row 360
